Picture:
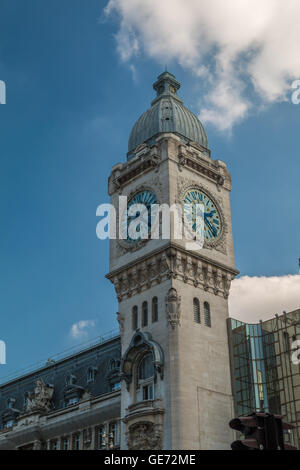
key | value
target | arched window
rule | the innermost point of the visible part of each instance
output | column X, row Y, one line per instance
column 145, row 378
column 154, row 310
column 196, row 304
column 135, row 318
column 207, row 317
column 145, row 314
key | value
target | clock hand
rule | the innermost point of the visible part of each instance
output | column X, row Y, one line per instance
column 212, row 229
column 209, row 214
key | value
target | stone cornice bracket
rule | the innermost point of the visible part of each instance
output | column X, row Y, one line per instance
column 144, row 161
column 172, row 263
column 213, row 170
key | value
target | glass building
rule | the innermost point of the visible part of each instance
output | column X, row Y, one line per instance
column 265, row 368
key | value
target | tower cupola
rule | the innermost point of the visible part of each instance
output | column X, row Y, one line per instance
column 167, row 115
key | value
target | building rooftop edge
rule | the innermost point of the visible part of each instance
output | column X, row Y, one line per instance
column 38, row 367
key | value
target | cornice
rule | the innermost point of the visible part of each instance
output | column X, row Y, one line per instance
column 172, row 262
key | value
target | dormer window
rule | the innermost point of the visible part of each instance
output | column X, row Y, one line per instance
column 115, row 386
column 72, row 392
column 91, row 374
column 9, row 424
column 72, row 401
column 70, row 379
column 10, row 403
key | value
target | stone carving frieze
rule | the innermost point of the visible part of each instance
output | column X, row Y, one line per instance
column 144, row 436
column 172, row 263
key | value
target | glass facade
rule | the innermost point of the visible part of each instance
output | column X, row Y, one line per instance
column 265, row 368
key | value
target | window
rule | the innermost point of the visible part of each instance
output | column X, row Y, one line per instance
column 207, row 318
column 53, row 445
column 9, row 424
column 91, row 374
column 196, row 304
column 76, row 442
column 145, row 383
column 115, row 386
column 148, row 392
column 100, row 438
column 65, row 443
column 114, row 439
column 72, row 401
column 70, row 379
column 146, row 369
column 135, row 318
column 154, row 310
column 145, row 314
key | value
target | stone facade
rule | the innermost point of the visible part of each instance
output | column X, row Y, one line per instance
column 72, row 403
column 192, row 401
column 172, row 356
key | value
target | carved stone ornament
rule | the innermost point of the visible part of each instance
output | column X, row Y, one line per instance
column 172, row 263
column 198, row 160
column 145, row 160
column 144, row 436
column 173, row 301
column 121, row 321
column 40, row 399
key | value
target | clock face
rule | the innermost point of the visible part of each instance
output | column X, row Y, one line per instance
column 212, row 219
column 147, row 198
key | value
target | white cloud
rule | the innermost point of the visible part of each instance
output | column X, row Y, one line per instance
column 259, row 298
column 81, row 329
column 230, row 43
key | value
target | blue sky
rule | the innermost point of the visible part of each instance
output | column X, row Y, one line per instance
column 71, row 103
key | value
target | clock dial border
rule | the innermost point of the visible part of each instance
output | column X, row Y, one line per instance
column 184, row 186
column 215, row 226
column 132, row 246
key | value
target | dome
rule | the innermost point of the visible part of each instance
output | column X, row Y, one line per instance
column 167, row 114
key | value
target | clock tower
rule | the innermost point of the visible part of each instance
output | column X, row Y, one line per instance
column 173, row 298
